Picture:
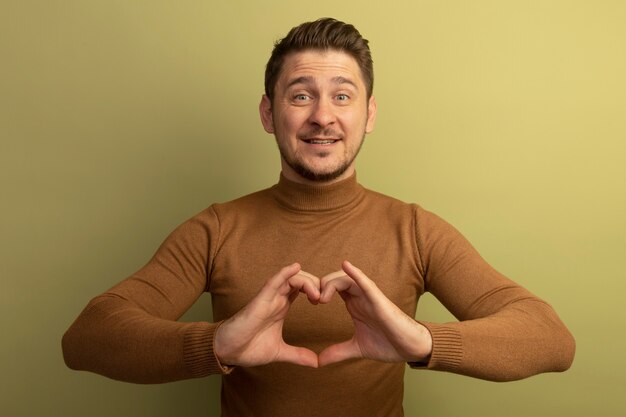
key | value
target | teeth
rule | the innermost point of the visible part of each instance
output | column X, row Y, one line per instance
column 321, row 142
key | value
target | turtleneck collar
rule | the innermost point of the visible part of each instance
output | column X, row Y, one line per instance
column 305, row 197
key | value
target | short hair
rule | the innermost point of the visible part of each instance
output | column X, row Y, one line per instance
column 322, row 34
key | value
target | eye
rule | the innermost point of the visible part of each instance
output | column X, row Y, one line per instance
column 301, row 97
column 343, row 97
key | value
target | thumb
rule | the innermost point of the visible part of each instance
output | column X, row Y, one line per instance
column 297, row 355
column 339, row 352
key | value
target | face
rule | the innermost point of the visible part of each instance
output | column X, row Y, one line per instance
column 319, row 116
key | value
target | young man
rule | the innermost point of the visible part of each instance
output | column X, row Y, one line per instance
column 361, row 259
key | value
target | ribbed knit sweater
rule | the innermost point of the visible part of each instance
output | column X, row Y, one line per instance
column 131, row 332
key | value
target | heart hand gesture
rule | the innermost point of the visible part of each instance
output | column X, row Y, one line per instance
column 254, row 335
column 382, row 332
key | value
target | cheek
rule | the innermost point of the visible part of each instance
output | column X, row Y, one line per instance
column 291, row 123
column 353, row 124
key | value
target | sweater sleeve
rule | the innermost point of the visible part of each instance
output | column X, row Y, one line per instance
column 131, row 332
column 504, row 332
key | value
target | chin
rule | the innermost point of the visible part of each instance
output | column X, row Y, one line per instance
column 319, row 175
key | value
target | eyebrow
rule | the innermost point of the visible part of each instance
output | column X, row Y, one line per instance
column 307, row 79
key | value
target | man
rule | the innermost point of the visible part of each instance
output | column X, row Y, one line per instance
column 361, row 259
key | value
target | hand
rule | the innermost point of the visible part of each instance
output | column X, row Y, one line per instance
column 382, row 331
column 254, row 335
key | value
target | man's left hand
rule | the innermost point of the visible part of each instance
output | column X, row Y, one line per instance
column 382, row 331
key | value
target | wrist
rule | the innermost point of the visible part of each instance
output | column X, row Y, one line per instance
column 218, row 345
column 423, row 347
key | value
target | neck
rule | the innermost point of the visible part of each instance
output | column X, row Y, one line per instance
column 318, row 197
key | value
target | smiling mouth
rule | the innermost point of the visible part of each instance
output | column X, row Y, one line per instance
column 321, row 141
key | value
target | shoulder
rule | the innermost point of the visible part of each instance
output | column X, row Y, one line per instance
column 208, row 227
column 422, row 217
column 210, row 217
column 252, row 202
column 427, row 224
column 386, row 202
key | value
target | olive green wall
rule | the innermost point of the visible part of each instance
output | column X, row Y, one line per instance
column 119, row 119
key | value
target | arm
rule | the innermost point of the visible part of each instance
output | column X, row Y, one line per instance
column 130, row 332
column 504, row 332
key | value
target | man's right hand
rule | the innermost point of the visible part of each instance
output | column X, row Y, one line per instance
column 254, row 336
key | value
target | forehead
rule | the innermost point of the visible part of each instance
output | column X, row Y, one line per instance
column 321, row 65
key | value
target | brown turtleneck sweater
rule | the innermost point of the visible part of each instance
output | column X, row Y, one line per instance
column 130, row 332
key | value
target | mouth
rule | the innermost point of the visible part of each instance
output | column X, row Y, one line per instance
column 318, row 141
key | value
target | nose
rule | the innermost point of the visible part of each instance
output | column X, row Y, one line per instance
column 322, row 113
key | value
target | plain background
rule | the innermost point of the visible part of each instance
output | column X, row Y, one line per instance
column 121, row 119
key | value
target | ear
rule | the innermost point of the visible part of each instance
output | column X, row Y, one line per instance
column 371, row 115
column 265, row 110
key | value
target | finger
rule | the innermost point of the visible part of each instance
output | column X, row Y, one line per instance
column 331, row 276
column 327, row 293
column 339, row 352
column 308, row 274
column 307, row 284
column 277, row 281
column 362, row 280
column 297, row 355
column 371, row 292
column 340, row 284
